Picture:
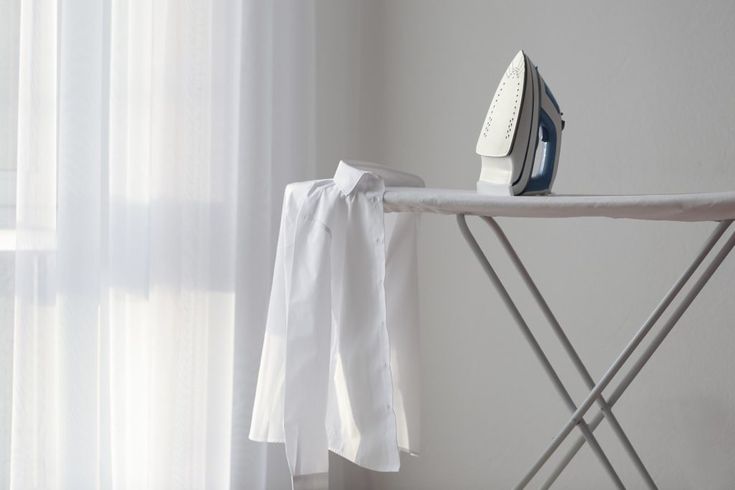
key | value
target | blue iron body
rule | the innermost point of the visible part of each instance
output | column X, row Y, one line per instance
column 520, row 140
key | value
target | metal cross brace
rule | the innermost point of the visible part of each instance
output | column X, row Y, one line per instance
column 595, row 395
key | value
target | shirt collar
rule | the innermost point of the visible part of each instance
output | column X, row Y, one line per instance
column 347, row 177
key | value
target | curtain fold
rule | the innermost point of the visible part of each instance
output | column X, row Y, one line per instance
column 154, row 143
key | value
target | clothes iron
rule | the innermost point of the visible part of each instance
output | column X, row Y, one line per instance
column 523, row 116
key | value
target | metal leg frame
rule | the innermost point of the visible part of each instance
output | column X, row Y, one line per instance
column 595, row 395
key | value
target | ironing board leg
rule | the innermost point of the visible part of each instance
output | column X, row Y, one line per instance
column 587, row 434
column 571, row 352
column 630, row 376
column 578, row 415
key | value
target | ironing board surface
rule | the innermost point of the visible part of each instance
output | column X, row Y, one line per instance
column 714, row 206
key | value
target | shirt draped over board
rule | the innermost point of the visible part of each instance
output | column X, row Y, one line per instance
column 339, row 368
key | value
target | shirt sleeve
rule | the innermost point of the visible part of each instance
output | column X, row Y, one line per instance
column 267, row 417
column 307, row 354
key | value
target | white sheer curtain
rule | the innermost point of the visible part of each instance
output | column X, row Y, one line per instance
column 154, row 142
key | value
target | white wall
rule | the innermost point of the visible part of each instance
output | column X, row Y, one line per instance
column 646, row 89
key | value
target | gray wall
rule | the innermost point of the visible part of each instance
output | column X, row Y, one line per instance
column 646, row 89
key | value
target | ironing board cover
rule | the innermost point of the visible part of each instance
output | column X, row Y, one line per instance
column 714, row 206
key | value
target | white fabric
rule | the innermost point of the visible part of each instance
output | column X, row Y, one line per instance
column 714, row 206
column 339, row 369
column 154, row 143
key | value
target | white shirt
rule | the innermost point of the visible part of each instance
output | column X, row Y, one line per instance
column 340, row 364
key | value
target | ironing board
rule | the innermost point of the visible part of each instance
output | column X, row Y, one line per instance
column 717, row 207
